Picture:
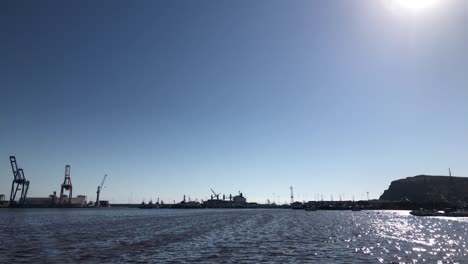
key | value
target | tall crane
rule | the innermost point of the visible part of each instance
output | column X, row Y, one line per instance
column 292, row 194
column 99, row 188
column 66, row 185
column 21, row 184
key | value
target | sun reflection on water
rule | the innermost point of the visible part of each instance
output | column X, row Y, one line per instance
column 418, row 238
column 250, row 236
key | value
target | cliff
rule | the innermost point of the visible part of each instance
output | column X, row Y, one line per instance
column 427, row 188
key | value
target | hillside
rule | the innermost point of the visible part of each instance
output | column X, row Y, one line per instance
column 424, row 188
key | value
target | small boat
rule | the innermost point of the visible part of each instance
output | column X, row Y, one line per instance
column 297, row 205
column 150, row 205
column 456, row 212
column 425, row 212
column 311, row 208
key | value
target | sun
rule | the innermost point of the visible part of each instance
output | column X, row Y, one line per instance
column 413, row 5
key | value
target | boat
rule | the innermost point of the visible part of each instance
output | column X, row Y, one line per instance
column 450, row 212
column 456, row 212
column 297, row 205
column 425, row 212
column 150, row 205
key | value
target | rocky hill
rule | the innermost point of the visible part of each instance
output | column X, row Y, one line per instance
column 424, row 188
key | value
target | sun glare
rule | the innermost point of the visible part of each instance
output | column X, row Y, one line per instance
column 413, row 5
column 417, row 4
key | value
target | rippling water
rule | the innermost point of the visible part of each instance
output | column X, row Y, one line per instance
column 247, row 236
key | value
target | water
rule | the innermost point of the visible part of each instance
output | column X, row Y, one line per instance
column 227, row 236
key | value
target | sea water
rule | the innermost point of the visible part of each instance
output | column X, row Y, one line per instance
column 119, row 235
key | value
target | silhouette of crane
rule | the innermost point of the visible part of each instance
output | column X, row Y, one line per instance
column 99, row 188
column 66, row 185
column 215, row 194
column 292, row 194
column 21, row 184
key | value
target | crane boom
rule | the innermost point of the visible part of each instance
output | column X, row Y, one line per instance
column 103, row 180
column 99, row 190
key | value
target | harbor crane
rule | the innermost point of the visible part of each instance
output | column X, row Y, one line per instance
column 66, row 185
column 215, row 194
column 21, row 184
column 99, row 188
column 292, row 194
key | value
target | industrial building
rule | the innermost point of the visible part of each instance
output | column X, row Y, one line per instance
column 54, row 201
column 3, row 203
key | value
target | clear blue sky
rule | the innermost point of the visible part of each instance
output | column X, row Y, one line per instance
column 177, row 97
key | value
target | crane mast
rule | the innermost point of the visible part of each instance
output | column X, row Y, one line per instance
column 21, row 184
column 66, row 185
column 99, row 188
column 292, row 194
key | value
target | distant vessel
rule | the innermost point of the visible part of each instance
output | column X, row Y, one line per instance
column 450, row 212
column 237, row 201
column 297, row 205
column 186, row 204
column 456, row 213
column 150, row 205
column 425, row 212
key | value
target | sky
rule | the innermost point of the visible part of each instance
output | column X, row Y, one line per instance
column 176, row 97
